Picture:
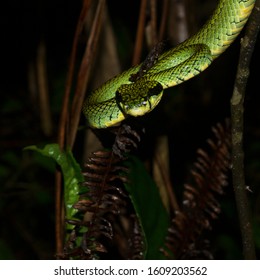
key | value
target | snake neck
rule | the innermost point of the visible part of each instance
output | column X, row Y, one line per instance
column 224, row 25
column 173, row 67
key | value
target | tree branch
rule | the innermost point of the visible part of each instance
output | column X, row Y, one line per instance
column 237, row 117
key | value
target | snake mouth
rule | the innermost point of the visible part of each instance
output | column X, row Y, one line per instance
column 137, row 100
column 141, row 108
column 134, row 109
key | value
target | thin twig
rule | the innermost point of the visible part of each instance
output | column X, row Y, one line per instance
column 162, row 165
column 62, row 127
column 164, row 18
column 84, row 71
column 237, row 116
column 140, row 33
column 72, row 62
column 154, row 33
column 45, row 111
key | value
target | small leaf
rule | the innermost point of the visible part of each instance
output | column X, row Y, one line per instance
column 147, row 202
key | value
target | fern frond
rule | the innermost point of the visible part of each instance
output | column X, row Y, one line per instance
column 200, row 199
column 102, row 197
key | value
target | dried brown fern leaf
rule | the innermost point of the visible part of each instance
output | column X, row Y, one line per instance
column 136, row 244
column 127, row 140
column 101, row 195
column 102, row 198
column 200, row 199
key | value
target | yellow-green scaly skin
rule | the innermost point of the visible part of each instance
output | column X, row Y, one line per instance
column 173, row 67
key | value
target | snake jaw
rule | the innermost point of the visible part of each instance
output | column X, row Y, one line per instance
column 139, row 98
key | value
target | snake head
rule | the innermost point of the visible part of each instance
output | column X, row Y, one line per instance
column 139, row 98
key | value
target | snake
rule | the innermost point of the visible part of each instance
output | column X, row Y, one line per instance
column 121, row 97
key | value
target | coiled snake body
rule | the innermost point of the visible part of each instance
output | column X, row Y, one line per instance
column 119, row 97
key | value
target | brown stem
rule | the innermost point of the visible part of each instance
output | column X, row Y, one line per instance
column 58, row 211
column 140, row 33
column 237, row 117
column 45, row 111
column 62, row 128
column 72, row 62
column 164, row 18
column 84, row 71
column 154, row 35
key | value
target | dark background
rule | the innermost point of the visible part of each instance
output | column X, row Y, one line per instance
column 186, row 116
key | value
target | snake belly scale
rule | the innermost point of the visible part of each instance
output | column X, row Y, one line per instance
column 119, row 97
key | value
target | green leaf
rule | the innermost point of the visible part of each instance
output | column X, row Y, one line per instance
column 147, row 202
column 71, row 174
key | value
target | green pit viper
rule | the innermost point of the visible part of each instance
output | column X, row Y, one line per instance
column 119, row 97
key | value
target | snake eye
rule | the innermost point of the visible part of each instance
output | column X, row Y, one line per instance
column 118, row 97
column 120, row 102
column 156, row 90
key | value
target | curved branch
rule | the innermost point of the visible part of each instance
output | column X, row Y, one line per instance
column 237, row 117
